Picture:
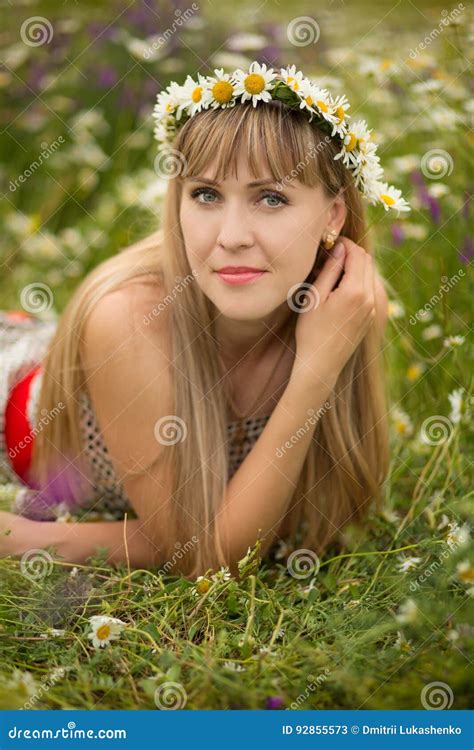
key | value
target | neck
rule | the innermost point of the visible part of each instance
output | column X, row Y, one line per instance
column 250, row 338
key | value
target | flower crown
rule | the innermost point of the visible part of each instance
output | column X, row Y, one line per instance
column 177, row 104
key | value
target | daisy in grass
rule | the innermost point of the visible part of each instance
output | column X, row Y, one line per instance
column 221, row 89
column 453, row 342
column 105, row 629
column 201, row 586
column 407, row 563
column 255, row 84
column 223, row 574
column 402, row 422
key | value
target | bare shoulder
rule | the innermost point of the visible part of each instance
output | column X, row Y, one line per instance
column 126, row 363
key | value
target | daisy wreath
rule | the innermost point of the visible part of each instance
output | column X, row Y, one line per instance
column 178, row 103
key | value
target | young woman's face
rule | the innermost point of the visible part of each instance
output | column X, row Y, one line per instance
column 235, row 223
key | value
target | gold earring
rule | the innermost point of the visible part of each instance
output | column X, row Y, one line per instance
column 330, row 240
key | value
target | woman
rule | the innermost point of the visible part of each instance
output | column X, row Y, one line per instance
column 220, row 380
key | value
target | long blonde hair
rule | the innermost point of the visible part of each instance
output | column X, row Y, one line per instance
column 347, row 461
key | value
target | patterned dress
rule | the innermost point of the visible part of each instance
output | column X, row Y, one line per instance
column 24, row 341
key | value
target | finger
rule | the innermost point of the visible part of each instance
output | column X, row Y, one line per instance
column 354, row 266
column 331, row 271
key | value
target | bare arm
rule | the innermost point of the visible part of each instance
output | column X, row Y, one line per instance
column 77, row 541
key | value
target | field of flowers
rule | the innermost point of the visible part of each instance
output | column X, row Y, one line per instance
column 388, row 624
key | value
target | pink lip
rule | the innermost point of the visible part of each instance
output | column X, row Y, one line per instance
column 241, row 277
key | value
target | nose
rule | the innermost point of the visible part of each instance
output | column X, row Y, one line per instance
column 235, row 229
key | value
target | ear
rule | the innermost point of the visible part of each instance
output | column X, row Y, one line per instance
column 337, row 212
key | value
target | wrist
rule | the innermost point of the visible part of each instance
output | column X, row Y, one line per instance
column 311, row 384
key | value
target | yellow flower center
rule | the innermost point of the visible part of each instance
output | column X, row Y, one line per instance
column 385, row 64
column 309, row 101
column 350, row 146
column 322, row 106
column 254, row 83
column 293, row 83
column 340, row 113
column 401, row 427
column 169, row 107
column 467, row 574
column 222, row 92
column 203, row 586
column 197, row 94
column 103, row 632
column 387, row 199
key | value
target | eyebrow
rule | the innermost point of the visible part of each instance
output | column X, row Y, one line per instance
column 266, row 181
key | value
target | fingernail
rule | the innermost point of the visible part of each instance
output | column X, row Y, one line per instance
column 338, row 251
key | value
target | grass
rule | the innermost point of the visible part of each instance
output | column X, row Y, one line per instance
column 361, row 633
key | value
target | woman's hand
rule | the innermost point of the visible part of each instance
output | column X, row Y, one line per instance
column 333, row 322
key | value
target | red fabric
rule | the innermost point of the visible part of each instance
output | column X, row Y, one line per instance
column 17, row 426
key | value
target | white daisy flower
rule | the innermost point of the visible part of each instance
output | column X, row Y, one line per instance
column 458, row 536
column 432, row 332
column 340, row 105
column 254, row 85
column 306, row 94
column 168, row 101
column 452, row 342
column 408, row 612
column 195, row 95
column 401, row 422
column 407, row 563
column 401, row 643
column 233, row 666
column 355, row 140
column 221, row 89
column 104, row 629
column 223, row 574
column 292, row 77
column 391, row 197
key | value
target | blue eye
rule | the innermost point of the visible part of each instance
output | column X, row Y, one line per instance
column 276, row 197
column 202, row 191
column 268, row 194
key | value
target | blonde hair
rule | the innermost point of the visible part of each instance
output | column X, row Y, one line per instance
column 347, row 461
